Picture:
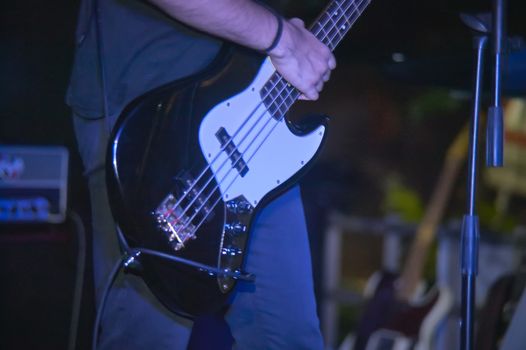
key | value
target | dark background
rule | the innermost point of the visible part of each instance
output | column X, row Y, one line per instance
column 36, row 51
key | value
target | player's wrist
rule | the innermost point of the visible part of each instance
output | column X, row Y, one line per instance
column 278, row 36
column 285, row 45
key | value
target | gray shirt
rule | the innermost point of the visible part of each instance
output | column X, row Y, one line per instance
column 142, row 48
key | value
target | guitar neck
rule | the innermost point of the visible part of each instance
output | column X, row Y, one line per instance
column 330, row 27
column 336, row 20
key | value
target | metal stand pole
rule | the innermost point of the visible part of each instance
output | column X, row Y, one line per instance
column 495, row 125
column 494, row 158
column 470, row 227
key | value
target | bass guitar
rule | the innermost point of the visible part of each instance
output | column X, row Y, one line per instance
column 191, row 163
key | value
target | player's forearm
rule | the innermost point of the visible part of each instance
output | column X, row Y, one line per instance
column 298, row 56
column 242, row 21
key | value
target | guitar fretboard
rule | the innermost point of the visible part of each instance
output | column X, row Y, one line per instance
column 330, row 28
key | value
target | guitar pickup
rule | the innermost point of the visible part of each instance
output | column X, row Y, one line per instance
column 231, row 150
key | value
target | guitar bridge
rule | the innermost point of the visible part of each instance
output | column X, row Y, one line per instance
column 172, row 221
column 179, row 217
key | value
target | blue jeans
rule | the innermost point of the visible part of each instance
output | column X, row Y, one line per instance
column 278, row 311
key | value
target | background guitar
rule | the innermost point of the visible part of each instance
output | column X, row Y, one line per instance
column 398, row 315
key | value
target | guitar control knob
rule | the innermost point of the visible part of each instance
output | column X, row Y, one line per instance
column 239, row 206
column 235, row 228
column 231, row 251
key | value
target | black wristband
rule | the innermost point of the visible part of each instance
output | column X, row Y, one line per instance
column 277, row 38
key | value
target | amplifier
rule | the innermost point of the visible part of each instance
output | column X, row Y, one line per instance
column 33, row 183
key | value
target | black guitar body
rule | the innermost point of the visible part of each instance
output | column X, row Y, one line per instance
column 168, row 152
column 154, row 153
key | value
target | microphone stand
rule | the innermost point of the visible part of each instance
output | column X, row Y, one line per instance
column 469, row 241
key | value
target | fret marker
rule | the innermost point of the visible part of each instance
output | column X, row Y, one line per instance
column 343, row 27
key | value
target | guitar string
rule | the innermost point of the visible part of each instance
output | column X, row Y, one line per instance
column 337, row 33
column 335, row 24
column 280, row 80
column 350, row 20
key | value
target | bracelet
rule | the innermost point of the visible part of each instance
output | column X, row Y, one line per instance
column 277, row 38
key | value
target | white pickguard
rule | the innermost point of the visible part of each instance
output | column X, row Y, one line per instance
column 272, row 152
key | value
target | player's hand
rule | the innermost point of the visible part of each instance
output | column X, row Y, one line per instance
column 302, row 59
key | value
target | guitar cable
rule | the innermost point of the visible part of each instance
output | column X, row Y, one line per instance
column 78, row 226
column 129, row 262
column 111, row 279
